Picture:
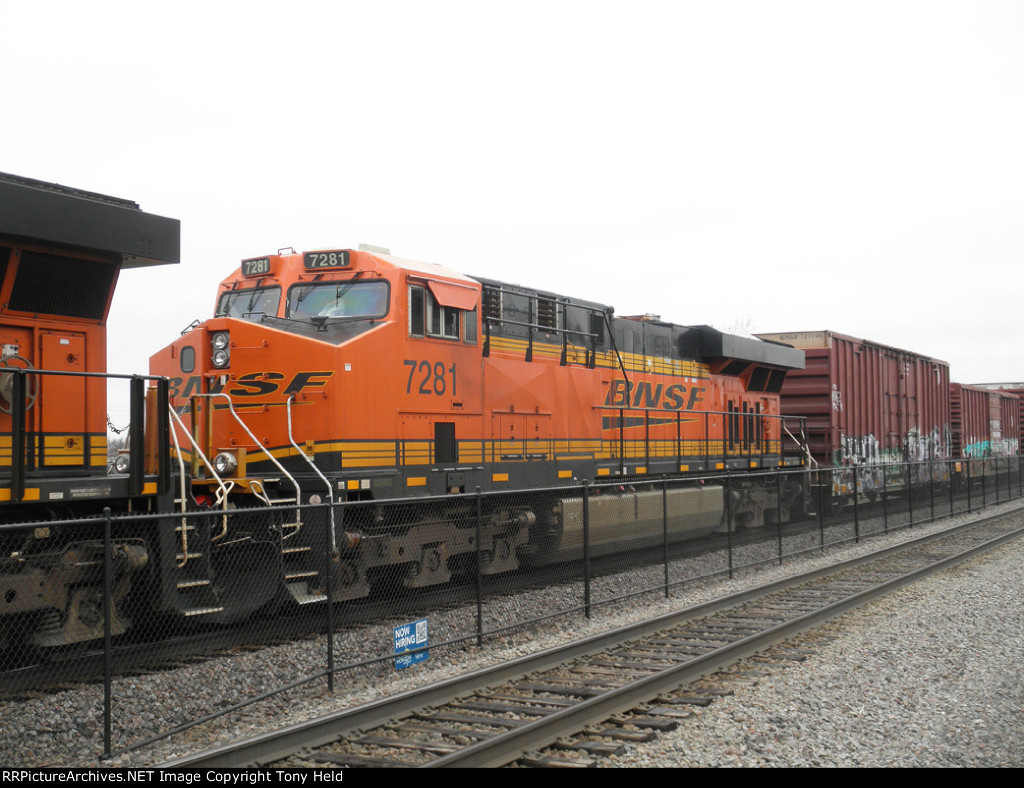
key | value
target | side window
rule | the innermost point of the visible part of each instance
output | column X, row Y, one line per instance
column 417, row 312
column 469, row 334
column 187, row 362
column 429, row 318
column 444, row 320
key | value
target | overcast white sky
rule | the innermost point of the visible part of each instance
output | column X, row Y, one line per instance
column 775, row 166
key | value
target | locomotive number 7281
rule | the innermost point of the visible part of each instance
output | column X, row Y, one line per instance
column 433, row 378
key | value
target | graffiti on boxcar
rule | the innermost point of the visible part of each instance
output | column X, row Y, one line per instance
column 837, row 399
column 927, row 446
column 861, row 450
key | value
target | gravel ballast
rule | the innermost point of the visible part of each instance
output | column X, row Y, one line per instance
column 927, row 677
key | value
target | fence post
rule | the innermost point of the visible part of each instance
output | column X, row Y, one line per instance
column 664, row 527
column 856, row 508
column 984, row 484
column 885, row 497
column 821, row 505
column 728, row 519
column 108, row 602
column 479, row 571
column 931, row 487
column 910, row 492
column 950, row 470
column 329, row 587
column 586, row 546
column 778, row 511
column 967, row 462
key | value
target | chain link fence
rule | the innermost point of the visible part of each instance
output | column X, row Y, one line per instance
column 123, row 630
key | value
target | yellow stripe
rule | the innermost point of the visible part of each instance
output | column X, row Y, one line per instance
column 416, row 481
column 499, row 477
column 565, row 474
column 31, row 494
column 633, row 362
column 603, row 472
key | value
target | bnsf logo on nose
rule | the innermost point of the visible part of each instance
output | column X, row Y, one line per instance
column 253, row 384
column 626, row 394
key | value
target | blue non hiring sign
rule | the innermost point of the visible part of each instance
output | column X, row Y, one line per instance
column 409, row 637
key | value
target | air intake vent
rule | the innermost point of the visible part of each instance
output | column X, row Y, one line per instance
column 52, row 284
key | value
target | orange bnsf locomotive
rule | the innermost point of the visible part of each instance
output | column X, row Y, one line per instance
column 351, row 375
column 61, row 252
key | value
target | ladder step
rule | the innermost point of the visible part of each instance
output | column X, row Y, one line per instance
column 202, row 611
column 187, row 528
column 292, row 550
column 193, row 583
column 297, row 575
column 190, row 556
column 300, row 593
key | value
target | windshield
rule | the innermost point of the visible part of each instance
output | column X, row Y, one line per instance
column 249, row 304
column 338, row 299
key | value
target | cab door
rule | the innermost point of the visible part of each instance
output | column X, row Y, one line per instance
column 62, row 402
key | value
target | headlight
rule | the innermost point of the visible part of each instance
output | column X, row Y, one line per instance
column 121, row 463
column 221, row 358
column 220, row 340
column 225, row 463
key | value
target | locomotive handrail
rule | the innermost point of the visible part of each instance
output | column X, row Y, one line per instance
column 621, row 409
column 327, row 484
column 222, row 488
column 811, row 462
column 565, row 332
column 538, row 326
column 19, row 445
column 615, row 348
column 271, row 457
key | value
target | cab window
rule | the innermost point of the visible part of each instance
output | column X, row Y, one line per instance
column 249, row 304
column 349, row 299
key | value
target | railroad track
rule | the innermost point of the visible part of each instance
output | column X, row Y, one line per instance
column 150, row 651
column 626, row 682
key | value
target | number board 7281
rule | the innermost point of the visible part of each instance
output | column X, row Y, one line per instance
column 257, row 266
column 314, row 261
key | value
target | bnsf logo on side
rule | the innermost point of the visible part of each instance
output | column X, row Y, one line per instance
column 626, row 394
column 253, row 384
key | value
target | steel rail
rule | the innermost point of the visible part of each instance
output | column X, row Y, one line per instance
column 507, row 747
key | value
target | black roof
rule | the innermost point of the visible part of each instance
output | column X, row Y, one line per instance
column 50, row 213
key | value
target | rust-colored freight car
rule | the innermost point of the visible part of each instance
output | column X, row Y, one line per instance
column 984, row 423
column 867, row 403
column 1016, row 390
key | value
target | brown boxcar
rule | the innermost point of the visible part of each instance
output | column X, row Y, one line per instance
column 1016, row 390
column 867, row 403
column 983, row 422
